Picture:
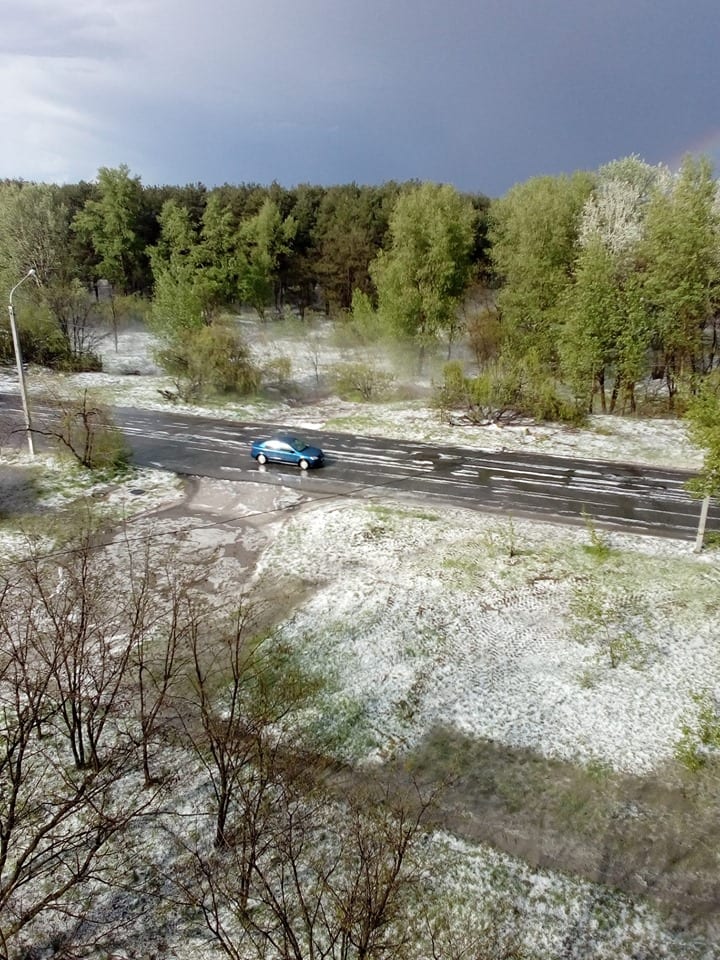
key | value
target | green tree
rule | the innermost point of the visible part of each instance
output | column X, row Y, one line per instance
column 196, row 269
column 608, row 332
column 422, row 276
column 194, row 272
column 218, row 259
column 265, row 239
column 209, row 360
column 178, row 303
column 703, row 420
column 113, row 225
column 534, row 234
column 681, row 249
column 178, row 235
column 351, row 225
column 298, row 273
column 593, row 321
column 35, row 233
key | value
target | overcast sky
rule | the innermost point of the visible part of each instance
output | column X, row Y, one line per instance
column 478, row 93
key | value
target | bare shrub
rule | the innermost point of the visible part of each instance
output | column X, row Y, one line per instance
column 83, row 426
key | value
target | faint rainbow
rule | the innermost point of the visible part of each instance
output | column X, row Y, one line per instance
column 705, row 146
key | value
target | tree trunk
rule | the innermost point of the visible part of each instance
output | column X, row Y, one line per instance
column 601, row 391
column 614, row 394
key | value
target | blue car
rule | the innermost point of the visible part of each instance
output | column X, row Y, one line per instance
column 283, row 448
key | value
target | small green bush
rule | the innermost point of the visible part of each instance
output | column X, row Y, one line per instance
column 610, row 619
column 599, row 548
column 83, row 427
column 209, row 359
column 700, row 733
column 361, row 381
column 503, row 392
column 277, row 370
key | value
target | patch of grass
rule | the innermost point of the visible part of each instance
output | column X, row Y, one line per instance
column 341, row 727
column 461, row 564
column 384, row 520
column 599, row 771
column 402, row 512
column 618, row 827
column 376, row 531
column 700, row 738
column 352, row 424
column 668, row 584
column 599, row 547
column 485, row 775
column 19, row 491
column 712, row 540
column 588, row 679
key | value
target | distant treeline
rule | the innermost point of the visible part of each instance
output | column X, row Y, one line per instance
column 321, row 240
column 578, row 289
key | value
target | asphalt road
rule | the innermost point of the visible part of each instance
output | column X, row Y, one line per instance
column 634, row 498
column 622, row 496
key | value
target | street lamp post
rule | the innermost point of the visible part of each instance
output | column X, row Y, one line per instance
column 19, row 362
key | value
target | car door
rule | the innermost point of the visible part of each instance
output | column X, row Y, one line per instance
column 284, row 452
column 270, row 449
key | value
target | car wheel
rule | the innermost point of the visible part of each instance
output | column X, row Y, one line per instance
column 261, row 458
column 303, row 464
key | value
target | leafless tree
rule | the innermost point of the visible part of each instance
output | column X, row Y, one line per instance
column 484, row 335
column 162, row 614
column 56, row 819
column 91, row 635
column 332, row 879
column 83, row 427
column 78, row 315
column 313, row 351
column 243, row 685
column 82, row 633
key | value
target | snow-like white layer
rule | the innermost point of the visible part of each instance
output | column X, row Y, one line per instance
column 422, row 622
column 551, row 915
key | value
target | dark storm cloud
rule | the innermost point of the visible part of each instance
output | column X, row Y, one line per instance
column 480, row 94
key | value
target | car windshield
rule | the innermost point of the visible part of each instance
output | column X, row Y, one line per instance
column 298, row 444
